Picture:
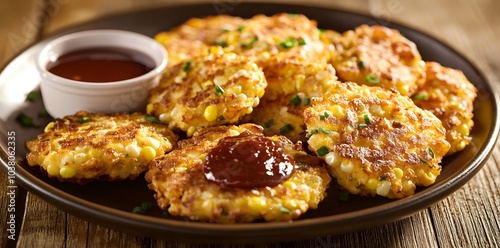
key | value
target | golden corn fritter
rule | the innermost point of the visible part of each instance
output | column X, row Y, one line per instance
column 375, row 142
column 378, row 56
column 193, row 37
column 257, row 38
column 292, row 82
column 181, row 186
column 262, row 37
column 85, row 147
column 449, row 95
column 207, row 91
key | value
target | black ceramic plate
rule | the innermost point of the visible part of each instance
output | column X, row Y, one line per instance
column 110, row 204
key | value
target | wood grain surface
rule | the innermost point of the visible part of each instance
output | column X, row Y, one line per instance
column 470, row 217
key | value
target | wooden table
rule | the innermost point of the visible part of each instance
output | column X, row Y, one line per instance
column 470, row 217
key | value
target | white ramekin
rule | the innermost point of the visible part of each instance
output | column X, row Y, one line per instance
column 62, row 96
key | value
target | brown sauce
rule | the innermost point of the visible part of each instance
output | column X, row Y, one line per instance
column 103, row 64
column 248, row 161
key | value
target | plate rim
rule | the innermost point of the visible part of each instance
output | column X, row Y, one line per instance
column 100, row 214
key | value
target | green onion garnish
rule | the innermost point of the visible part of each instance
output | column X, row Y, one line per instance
column 420, row 96
column 218, row 90
column 431, row 152
column 322, row 151
column 33, row 95
column 249, row 44
column 240, row 28
column 285, row 210
column 324, row 116
column 295, row 100
column 366, row 117
column 25, row 120
column 372, row 79
column 362, row 64
column 152, row 119
column 221, row 43
column 83, row 119
column 286, row 129
column 186, row 65
column 269, row 123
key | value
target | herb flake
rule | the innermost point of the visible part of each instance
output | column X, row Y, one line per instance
column 372, row 79
column 322, row 151
column 286, row 129
column 152, row 119
column 218, row 90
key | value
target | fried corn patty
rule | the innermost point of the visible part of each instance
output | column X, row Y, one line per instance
column 449, row 95
column 193, row 37
column 292, row 82
column 375, row 142
column 207, row 91
column 181, row 186
column 257, row 38
column 262, row 37
column 379, row 56
column 85, row 147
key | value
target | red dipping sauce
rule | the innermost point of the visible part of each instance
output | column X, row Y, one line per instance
column 102, row 64
column 248, row 161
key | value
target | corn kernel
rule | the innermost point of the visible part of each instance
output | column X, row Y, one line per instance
column 190, row 131
column 133, row 150
column 346, row 166
column 398, row 173
column 149, row 108
column 152, row 142
column 220, row 80
column 210, row 113
column 372, row 184
column 332, row 158
column 256, row 102
column 53, row 170
column 148, row 152
column 241, row 97
column 337, row 111
column 408, row 186
column 384, row 188
column 403, row 88
column 299, row 81
column 376, row 110
column 67, row 172
column 463, row 129
column 257, row 203
column 428, row 179
column 49, row 126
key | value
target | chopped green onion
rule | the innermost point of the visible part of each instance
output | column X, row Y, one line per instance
column 431, row 152
column 362, row 64
column 143, row 208
column 295, row 100
column 220, row 118
column 293, row 15
column 318, row 130
column 361, row 125
column 186, row 65
column 382, row 178
column 420, row 96
column 241, row 28
column 324, row 116
column 83, row 119
column 307, row 100
column 43, row 113
column 152, row 119
column 218, row 90
column 301, row 41
column 33, row 95
column 221, row 43
column 292, row 42
column 372, row 79
column 321, row 31
column 422, row 161
column 366, row 117
column 322, row 151
column 285, row 210
column 25, row 120
column 269, row 123
column 286, row 129
column 249, row 44
column 344, row 196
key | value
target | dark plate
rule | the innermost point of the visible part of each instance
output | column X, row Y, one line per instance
column 110, row 204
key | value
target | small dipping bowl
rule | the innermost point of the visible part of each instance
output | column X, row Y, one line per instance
column 63, row 96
